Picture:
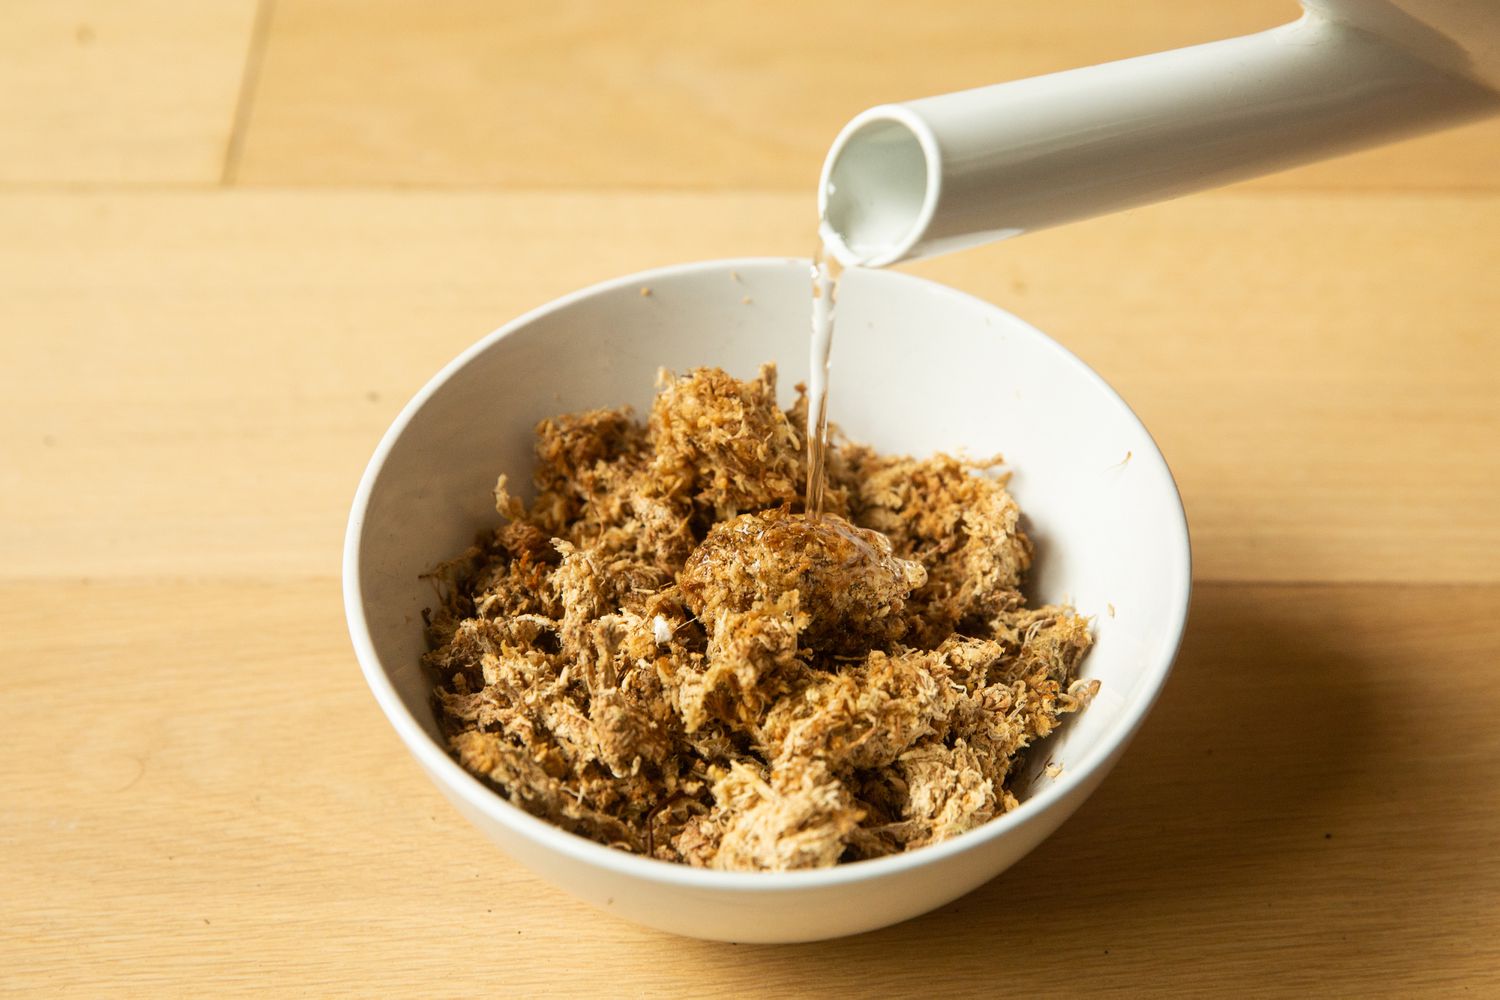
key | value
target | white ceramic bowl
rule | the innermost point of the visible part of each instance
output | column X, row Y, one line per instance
column 917, row 368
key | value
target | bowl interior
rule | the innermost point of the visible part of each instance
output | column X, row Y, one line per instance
column 917, row 368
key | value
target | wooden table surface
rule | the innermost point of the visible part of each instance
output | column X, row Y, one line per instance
column 236, row 236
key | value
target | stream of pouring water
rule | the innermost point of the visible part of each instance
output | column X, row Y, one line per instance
column 825, row 292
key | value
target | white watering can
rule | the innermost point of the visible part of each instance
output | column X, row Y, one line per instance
column 944, row 173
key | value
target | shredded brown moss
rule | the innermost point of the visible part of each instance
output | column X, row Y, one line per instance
column 663, row 654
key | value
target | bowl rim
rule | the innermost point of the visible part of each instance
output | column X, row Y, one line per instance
column 444, row 769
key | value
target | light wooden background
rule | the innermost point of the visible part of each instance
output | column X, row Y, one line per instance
column 236, row 236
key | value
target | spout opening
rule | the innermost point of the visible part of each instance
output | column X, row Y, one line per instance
column 879, row 188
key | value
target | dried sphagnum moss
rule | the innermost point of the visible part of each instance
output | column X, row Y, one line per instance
column 664, row 655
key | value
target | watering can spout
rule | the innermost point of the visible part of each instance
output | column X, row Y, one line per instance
column 925, row 177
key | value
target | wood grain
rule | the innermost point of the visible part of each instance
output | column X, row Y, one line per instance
column 1321, row 371
column 99, row 91
column 714, row 95
column 230, row 249
column 222, row 809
